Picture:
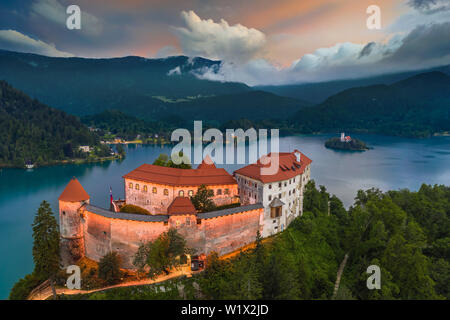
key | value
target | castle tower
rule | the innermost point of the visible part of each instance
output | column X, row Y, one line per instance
column 70, row 225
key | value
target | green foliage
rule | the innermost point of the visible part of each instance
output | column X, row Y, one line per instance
column 353, row 145
column 24, row 286
column 109, row 268
column 162, row 254
column 173, row 289
column 46, row 242
column 164, row 161
column 395, row 230
column 120, row 150
column 33, row 132
column 202, row 199
column 414, row 107
column 131, row 208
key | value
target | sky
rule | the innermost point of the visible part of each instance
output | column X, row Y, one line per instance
column 259, row 42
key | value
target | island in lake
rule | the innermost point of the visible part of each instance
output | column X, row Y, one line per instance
column 346, row 143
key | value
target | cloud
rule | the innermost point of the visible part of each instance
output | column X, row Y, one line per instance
column 55, row 12
column 423, row 45
column 209, row 39
column 421, row 48
column 16, row 41
column 175, row 71
column 430, row 6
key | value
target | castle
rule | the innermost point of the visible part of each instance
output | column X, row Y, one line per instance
column 268, row 203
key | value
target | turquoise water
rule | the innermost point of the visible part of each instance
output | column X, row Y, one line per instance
column 393, row 163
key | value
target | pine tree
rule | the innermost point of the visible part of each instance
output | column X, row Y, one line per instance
column 202, row 199
column 46, row 244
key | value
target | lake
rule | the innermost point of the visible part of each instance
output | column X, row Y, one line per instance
column 394, row 163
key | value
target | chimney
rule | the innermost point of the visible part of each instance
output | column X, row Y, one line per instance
column 297, row 155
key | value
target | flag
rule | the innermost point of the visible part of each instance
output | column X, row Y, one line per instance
column 110, row 195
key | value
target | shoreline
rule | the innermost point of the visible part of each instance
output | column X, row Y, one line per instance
column 63, row 162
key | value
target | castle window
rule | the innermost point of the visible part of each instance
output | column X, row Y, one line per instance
column 279, row 184
column 275, row 212
column 270, row 186
column 130, row 186
column 289, row 192
column 199, row 221
column 137, row 186
column 154, row 190
column 285, row 184
column 190, row 193
column 181, row 193
column 166, row 192
column 188, row 221
column 145, row 188
column 279, row 196
column 270, row 198
column 227, row 191
column 219, row 192
column 64, row 213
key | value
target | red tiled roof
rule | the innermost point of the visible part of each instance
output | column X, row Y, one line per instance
column 288, row 168
column 74, row 192
column 207, row 163
column 181, row 205
column 181, row 177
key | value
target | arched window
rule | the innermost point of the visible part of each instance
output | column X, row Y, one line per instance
column 190, row 193
column 154, row 190
column 137, row 186
column 130, row 185
column 181, row 193
column 145, row 188
column 166, row 192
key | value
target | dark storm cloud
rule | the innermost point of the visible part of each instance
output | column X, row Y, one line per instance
column 367, row 49
column 424, row 43
column 430, row 6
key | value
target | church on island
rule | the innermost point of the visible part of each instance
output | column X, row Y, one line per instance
column 264, row 203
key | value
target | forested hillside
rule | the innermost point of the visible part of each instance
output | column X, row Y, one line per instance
column 406, row 234
column 417, row 107
column 31, row 131
column 318, row 92
column 151, row 89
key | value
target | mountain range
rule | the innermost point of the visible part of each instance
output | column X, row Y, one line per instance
column 33, row 132
column 417, row 106
column 170, row 90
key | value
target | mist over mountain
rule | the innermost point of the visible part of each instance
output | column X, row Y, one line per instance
column 87, row 86
column 318, row 92
column 408, row 104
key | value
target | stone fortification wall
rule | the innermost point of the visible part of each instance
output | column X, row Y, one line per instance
column 222, row 231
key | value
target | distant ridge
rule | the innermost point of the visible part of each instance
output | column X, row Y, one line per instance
column 418, row 106
column 318, row 92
